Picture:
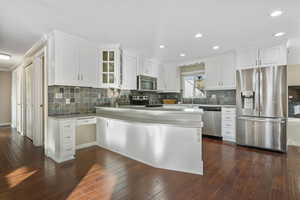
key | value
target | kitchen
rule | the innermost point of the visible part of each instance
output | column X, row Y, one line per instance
column 87, row 107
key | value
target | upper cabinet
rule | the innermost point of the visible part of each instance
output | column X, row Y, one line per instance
column 220, row 72
column 273, row 56
column 148, row 67
column 72, row 61
column 255, row 57
column 110, row 67
column 169, row 78
column 130, row 65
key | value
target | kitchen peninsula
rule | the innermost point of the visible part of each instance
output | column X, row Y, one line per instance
column 167, row 138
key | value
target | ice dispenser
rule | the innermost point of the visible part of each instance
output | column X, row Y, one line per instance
column 248, row 99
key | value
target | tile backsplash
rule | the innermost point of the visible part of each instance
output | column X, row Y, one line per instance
column 70, row 100
column 223, row 97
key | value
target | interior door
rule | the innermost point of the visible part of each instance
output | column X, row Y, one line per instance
column 29, row 103
column 273, row 91
column 248, row 82
column 38, row 100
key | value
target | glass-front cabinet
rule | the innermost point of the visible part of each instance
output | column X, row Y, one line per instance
column 110, row 68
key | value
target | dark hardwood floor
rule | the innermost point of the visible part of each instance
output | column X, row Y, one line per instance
column 230, row 172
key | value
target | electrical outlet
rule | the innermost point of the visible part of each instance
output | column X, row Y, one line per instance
column 68, row 101
column 58, row 95
column 297, row 110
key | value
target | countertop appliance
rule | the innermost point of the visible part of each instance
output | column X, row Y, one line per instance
column 139, row 100
column 146, row 83
column 212, row 121
column 262, row 107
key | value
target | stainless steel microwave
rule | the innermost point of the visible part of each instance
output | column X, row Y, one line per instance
column 146, row 83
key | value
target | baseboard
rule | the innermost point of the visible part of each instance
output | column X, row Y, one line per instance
column 82, row 146
column 5, row 124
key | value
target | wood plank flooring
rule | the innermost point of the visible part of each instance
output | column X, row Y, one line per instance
column 230, row 172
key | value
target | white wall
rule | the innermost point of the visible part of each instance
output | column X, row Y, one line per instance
column 5, row 98
column 293, row 51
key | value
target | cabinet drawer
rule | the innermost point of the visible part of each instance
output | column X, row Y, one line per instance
column 228, row 124
column 68, row 148
column 86, row 121
column 228, row 132
column 68, row 140
column 228, row 118
column 228, row 111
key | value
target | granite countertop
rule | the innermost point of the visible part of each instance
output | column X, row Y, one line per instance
column 183, row 117
column 208, row 105
column 69, row 116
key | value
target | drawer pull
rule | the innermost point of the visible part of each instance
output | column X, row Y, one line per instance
column 69, row 149
column 67, row 126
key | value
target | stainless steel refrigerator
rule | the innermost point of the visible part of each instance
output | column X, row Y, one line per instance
column 262, row 107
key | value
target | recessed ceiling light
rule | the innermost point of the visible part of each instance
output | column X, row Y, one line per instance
column 182, row 54
column 216, row 47
column 162, row 46
column 4, row 56
column 276, row 13
column 279, row 34
column 199, row 35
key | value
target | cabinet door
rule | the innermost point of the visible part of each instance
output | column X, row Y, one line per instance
column 88, row 65
column 161, row 81
column 213, row 74
column 273, row 56
column 228, row 67
column 247, row 58
column 66, row 60
column 130, row 63
column 171, row 78
column 147, row 67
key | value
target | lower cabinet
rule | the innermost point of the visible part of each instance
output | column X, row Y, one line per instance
column 229, row 124
column 60, row 139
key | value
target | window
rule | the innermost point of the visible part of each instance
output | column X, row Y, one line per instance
column 193, row 85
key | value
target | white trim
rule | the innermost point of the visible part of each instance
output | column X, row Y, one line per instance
column 5, row 124
column 85, row 145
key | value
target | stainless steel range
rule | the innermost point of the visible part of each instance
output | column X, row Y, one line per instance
column 262, row 107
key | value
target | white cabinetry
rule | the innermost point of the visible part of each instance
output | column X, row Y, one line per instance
column 72, row 61
column 60, row 139
column 169, row 78
column 130, row 64
column 229, row 124
column 110, row 67
column 148, row 67
column 220, row 72
column 254, row 57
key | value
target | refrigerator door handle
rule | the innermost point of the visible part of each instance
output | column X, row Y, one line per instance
column 278, row 120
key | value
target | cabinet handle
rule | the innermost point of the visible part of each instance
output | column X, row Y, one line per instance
column 81, row 76
column 67, row 126
column 78, row 77
column 69, row 149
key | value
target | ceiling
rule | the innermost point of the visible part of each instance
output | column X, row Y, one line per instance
column 143, row 25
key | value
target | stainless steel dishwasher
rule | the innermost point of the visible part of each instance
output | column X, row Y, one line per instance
column 212, row 121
